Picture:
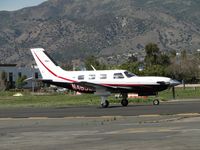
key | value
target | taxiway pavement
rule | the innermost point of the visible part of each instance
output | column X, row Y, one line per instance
column 167, row 108
column 102, row 133
column 169, row 126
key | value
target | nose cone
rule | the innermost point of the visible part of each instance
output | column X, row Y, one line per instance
column 174, row 82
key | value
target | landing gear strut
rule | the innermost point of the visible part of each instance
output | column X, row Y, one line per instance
column 124, row 100
column 104, row 102
column 156, row 100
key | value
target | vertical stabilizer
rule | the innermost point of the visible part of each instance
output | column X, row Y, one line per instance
column 45, row 63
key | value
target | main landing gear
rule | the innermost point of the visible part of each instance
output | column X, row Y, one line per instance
column 104, row 102
column 124, row 100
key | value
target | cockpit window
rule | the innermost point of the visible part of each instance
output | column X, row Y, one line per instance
column 129, row 74
column 118, row 76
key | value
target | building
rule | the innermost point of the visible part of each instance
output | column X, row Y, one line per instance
column 14, row 72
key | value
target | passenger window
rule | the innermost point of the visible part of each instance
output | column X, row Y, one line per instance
column 103, row 76
column 91, row 76
column 118, row 76
column 81, row 77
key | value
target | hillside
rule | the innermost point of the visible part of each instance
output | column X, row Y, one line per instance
column 71, row 29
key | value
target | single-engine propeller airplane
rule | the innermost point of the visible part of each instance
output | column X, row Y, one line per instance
column 100, row 82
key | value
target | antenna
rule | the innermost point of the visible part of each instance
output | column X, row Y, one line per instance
column 93, row 68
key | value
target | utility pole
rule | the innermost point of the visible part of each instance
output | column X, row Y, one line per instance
column 173, row 92
column 33, row 78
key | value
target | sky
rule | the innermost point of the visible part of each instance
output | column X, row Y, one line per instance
column 11, row 5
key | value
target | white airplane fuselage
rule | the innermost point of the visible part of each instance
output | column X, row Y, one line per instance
column 135, row 84
column 100, row 82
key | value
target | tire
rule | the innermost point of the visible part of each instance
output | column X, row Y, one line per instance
column 124, row 102
column 106, row 104
column 156, row 102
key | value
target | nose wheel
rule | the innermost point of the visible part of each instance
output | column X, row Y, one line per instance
column 156, row 102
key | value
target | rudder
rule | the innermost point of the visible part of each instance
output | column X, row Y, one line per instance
column 47, row 66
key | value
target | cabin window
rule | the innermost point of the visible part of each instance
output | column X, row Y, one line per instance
column 91, row 76
column 103, row 76
column 118, row 76
column 129, row 74
column 81, row 77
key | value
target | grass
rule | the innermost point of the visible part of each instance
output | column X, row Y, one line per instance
column 181, row 93
column 52, row 100
column 7, row 99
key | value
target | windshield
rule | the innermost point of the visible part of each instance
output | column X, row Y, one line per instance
column 129, row 74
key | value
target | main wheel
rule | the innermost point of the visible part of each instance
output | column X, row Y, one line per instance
column 156, row 102
column 106, row 104
column 124, row 102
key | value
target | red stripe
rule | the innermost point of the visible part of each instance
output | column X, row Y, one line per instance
column 122, row 84
column 52, row 71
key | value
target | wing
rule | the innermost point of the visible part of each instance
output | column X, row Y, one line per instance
column 102, row 86
column 92, row 85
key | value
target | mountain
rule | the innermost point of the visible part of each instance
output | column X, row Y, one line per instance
column 109, row 29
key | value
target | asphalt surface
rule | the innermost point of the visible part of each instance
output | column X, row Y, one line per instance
column 101, row 133
column 168, row 108
column 169, row 126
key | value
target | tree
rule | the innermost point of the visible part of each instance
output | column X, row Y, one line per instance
column 131, row 66
column 67, row 66
column 155, row 70
column 163, row 60
column 133, row 58
column 155, row 62
column 92, row 60
column 20, row 82
column 3, row 81
column 184, row 68
column 152, row 54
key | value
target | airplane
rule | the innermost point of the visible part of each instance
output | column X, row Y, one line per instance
column 100, row 82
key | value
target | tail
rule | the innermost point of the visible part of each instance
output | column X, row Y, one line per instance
column 47, row 66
